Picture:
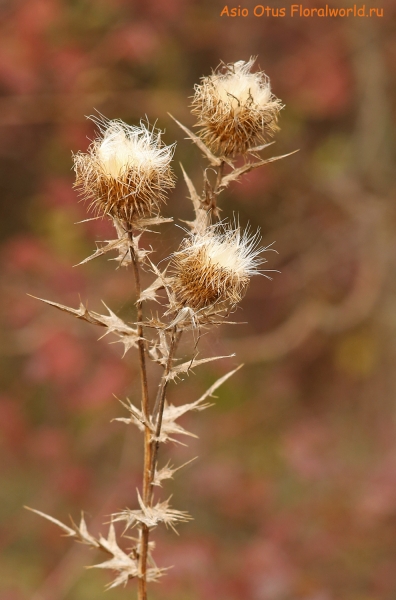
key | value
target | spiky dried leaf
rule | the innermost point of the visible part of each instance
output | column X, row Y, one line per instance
column 145, row 223
column 214, row 160
column 68, row 530
column 159, row 350
column 150, row 293
column 216, row 385
column 259, row 148
column 120, row 244
column 85, row 536
column 167, row 472
column 187, row 366
column 126, row 334
column 201, row 220
column 169, row 427
column 151, row 516
column 227, row 179
column 166, row 282
column 125, row 564
column 136, row 418
column 186, row 317
column 172, row 413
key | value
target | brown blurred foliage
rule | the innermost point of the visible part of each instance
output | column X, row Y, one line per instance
column 294, row 493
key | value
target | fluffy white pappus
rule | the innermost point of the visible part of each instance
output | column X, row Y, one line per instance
column 238, row 86
column 215, row 267
column 126, row 171
column 124, row 147
column 235, row 107
column 227, row 247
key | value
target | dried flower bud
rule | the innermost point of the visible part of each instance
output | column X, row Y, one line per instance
column 214, row 267
column 126, row 171
column 236, row 109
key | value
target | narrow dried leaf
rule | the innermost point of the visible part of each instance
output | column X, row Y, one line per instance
column 128, row 336
column 187, row 366
column 68, row 530
column 217, row 384
column 214, row 160
column 249, row 167
column 259, row 148
column 185, row 318
column 172, row 413
column 194, row 197
column 167, row 472
column 201, row 220
column 121, row 245
column 154, row 573
column 168, row 430
column 144, row 223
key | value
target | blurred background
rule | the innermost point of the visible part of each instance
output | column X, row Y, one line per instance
column 294, row 490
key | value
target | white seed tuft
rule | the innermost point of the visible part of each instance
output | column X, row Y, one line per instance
column 126, row 171
column 236, row 109
column 215, row 266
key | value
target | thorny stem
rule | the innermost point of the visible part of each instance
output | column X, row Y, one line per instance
column 144, row 532
column 161, row 404
column 151, row 446
column 163, row 381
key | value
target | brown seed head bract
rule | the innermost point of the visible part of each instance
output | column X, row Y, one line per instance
column 214, row 267
column 126, row 171
column 236, row 109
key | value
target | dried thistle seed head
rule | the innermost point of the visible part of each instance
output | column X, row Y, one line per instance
column 126, row 171
column 215, row 267
column 236, row 109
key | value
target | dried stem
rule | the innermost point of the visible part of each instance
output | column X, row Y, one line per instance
column 163, row 381
column 144, row 531
column 160, row 402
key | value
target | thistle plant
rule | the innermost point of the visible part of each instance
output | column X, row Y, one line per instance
column 126, row 175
